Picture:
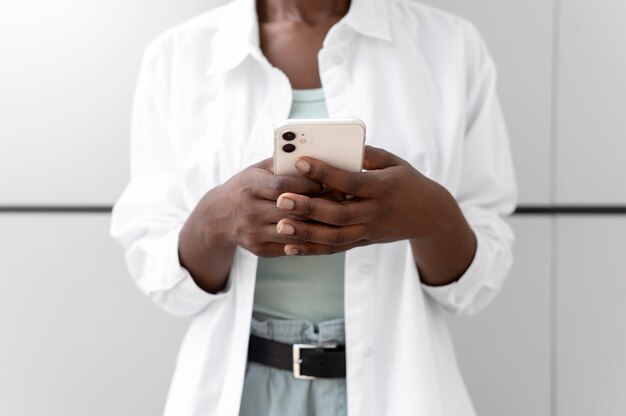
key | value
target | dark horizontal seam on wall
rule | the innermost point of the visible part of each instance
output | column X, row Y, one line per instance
column 56, row 209
column 521, row 210
column 570, row 210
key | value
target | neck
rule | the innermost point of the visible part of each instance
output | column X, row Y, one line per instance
column 307, row 11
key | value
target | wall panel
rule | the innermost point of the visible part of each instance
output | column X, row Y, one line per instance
column 591, row 306
column 78, row 338
column 504, row 352
column 519, row 36
column 67, row 72
column 592, row 101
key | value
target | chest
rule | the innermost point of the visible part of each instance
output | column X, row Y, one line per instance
column 225, row 122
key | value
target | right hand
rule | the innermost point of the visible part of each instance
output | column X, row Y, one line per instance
column 242, row 212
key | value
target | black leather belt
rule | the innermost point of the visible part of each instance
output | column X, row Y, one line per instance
column 306, row 361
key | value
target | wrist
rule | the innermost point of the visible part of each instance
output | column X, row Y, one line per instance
column 203, row 250
column 445, row 251
column 212, row 220
column 439, row 216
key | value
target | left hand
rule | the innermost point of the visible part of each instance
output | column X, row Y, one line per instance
column 391, row 201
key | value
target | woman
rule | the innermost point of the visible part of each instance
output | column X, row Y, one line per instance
column 210, row 232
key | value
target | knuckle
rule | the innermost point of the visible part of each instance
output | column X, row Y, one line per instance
column 308, row 209
column 248, row 241
column 249, row 217
column 306, row 235
column 339, row 238
column 295, row 239
column 343, row 217
column 245, row 190
column 320, row 174
column 369, row 233
column 295, row 216
column 279, row 185
column 299, row 239
column 384, row 179
column 311, row 186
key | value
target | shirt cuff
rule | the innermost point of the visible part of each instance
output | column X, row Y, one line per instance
column 459, row 296
column 173, row 288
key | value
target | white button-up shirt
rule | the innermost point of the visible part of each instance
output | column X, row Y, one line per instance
column 205, row 106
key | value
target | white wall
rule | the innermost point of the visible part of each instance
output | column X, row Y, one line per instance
column 79, row 337
column 67, row 70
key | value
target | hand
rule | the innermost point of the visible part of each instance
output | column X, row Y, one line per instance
column 392, row 201
column 241, row 212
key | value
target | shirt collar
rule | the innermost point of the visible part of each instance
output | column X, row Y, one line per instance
column 237, row 34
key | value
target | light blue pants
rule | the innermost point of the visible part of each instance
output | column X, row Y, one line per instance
column 269, row 391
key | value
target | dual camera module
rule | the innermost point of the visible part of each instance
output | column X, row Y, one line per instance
column 289, row 147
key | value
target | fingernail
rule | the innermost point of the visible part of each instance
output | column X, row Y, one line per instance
column 284, row 228
column 291, row 251
column 285, row 203
column 303, row 166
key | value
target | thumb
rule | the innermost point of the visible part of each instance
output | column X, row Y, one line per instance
column 375, row 158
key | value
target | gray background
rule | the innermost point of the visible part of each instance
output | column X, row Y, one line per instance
column 79, row 339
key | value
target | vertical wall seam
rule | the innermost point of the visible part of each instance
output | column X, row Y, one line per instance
column 554, row 221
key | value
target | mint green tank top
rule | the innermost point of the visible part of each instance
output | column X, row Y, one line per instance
column 309, row 288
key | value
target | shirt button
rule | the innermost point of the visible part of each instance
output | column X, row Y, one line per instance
column 368, row 352
column 366, row 269
column 336, row 60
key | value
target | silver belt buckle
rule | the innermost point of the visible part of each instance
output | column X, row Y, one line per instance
column 297, row 360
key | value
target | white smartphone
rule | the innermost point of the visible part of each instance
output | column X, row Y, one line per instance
column 339, row 142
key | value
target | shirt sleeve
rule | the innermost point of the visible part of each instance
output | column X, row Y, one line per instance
column 487, row 192
column 148, row 217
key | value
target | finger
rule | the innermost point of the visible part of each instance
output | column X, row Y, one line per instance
column 264, row 241
column 275, row 233
column 268, row 186
column 312, row 249
column 261, row 212
column 375, row 158
column 269, row 234
column 351, row 183
column 324, row 210
column 330, row 194
column 326, row 191
column 314, row 232
column 270, row 250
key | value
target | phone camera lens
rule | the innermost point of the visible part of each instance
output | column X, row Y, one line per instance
column 288, row 148
column 289, row 136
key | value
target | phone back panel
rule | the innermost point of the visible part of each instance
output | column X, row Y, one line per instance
column 338, row 142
